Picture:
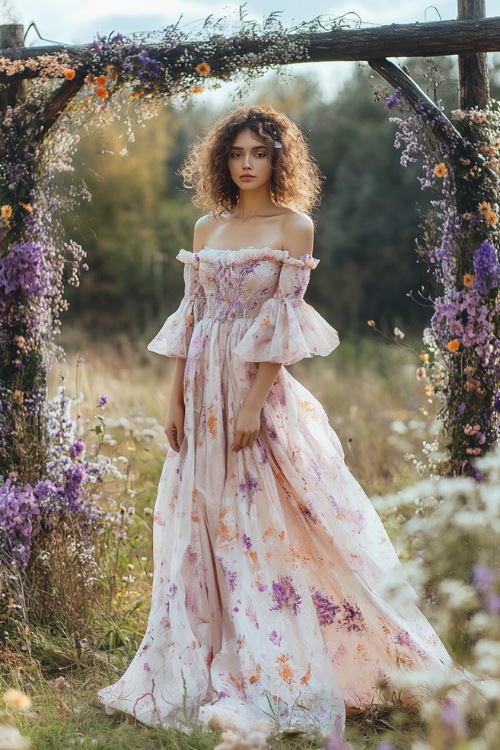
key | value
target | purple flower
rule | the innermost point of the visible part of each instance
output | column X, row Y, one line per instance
column 77, row 449
column 353, row 619
column 483, row 578
column 486, row 270
column 275, row 638
column 230, row 576
column 394, row 101
column 285, row 595
column 246, row 541
column 336, row 741
column 326, row 609
column 25, row 271
column 103, row 401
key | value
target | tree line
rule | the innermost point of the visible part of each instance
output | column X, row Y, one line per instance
column 139, row 215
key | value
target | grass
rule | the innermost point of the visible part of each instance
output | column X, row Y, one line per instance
column 373, row 401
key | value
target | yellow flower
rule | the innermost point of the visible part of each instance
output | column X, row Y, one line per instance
column 484, row 208
column 440, row 170
column 424, row 357
column 17, row 700
column 491, row 218
column 6, row 212
column 100, row 81
column 203, row 69
column 428, row 390
column 453, row 346
column 371, row 323
column 197, row 90
column 468, row 279
column 69, row 74
column 101, row 93
column 27, row 207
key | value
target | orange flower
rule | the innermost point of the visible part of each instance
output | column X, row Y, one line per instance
column 491, row 218
column 101, row 93
column 453, row 346
column 440, row 170
column 424, row 357
column 203, row 69
column 136, row 94
column 6, row 211
column 100, row 81
column 468, row 279
column 69, row 74
column 197, row 90
column 428, row 390
column 26, row 207
column 371, row 323
column 484, row 208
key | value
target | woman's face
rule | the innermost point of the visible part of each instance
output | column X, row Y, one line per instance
column 249, row 161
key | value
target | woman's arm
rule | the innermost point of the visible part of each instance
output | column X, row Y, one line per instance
column 298, row 238
column 174, row 424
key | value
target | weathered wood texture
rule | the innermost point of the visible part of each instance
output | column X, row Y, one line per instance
column 11, row 36
column 473, row 67
column 396, row 40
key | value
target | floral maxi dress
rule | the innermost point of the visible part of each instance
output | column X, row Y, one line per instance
column 267, row 561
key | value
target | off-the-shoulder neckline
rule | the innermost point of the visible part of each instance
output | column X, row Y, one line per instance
column 227, row 256
column 238, row 250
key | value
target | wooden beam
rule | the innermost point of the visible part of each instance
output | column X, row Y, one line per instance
column 11, row 35
column 397, row 40
column 473, row 66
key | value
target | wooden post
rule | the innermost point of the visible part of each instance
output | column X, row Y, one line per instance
column 473, row 67
column 11, row 35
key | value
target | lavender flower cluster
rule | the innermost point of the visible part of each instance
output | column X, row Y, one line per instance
column 66, row 489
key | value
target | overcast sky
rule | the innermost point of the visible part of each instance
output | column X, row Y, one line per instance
column 78, row 23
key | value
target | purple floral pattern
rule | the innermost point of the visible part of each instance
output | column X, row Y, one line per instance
column 273, row 549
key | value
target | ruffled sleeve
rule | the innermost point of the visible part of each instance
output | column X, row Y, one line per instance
column 175, row 335
column 287, row 329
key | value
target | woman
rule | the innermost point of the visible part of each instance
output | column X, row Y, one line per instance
column 267, row 552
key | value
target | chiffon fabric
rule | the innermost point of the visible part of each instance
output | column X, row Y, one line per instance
column 268, row 560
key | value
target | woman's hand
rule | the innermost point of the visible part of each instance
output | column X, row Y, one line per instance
column 174, row 425
column 247, row 427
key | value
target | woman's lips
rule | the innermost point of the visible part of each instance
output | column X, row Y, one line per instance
column 247, row 177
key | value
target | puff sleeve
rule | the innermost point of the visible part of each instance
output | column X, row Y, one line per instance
column 287, row 329
column 175, row 335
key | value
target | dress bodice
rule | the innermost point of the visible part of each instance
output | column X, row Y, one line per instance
column 237, row 282
column 258, row 295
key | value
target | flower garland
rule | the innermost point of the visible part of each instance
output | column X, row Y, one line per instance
column 460, row 245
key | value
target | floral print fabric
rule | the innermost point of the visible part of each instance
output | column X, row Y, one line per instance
column 267, row 560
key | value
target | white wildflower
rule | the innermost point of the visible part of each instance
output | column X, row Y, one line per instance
column 11, row 739
column 459, row 595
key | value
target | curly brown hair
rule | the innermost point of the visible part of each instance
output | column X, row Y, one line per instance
column 295, row 181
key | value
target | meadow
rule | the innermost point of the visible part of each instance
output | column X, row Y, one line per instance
column 375, row 403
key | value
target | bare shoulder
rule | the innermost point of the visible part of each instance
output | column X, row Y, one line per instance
column 298, row 233
column 202, row 231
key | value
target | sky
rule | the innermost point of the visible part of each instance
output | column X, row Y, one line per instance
column 78, row 23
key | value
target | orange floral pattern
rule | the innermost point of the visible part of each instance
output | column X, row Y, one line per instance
column 264, row 595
